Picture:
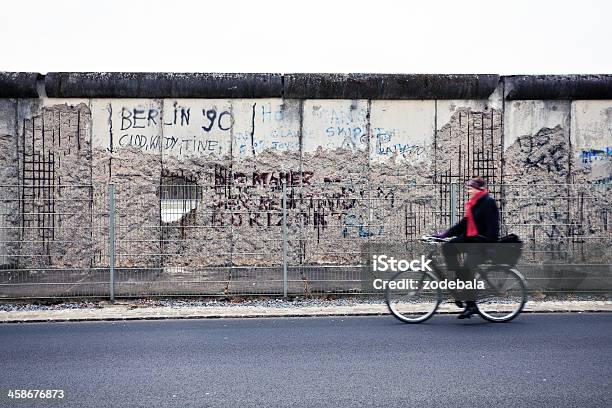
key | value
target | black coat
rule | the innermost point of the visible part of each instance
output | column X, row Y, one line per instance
column 486, row 218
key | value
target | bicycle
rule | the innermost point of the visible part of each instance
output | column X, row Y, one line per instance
column 501, row 298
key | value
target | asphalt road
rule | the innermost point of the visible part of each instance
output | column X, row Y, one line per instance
column 548, row 360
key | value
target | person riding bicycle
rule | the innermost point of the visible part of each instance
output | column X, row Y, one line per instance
column 479, row 225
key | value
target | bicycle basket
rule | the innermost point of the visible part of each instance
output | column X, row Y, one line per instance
column 510, row 249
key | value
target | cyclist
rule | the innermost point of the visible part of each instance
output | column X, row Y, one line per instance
column 479, row 225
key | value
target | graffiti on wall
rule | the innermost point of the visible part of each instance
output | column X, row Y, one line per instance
column 181, row 130
column 388, row 144
column 593, row 155
column 273, row 126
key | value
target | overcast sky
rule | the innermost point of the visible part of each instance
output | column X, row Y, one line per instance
column 488, row 36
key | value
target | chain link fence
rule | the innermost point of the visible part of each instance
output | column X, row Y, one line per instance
column 279, row 238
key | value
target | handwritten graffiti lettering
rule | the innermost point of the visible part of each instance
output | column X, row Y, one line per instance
column 285, row 145
column 180, row 115
column 284, row 133
column 343, row 131
column 140, row 141
column 267, row 113
column 254, row 198
column 133, row 140
column 383, row 136
column 224, row 120
column 169, row 143
column 291, row 178
column 241, row 206
column 386, row 146
column 348, row 117
column 350, row 222
column 138, row 118
column 403, row 149
column 198, row 146
column 261, row 145
column 592, row 155
column 141, row 118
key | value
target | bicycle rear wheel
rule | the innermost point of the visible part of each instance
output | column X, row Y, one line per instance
column 415, row 301
column 504, row 294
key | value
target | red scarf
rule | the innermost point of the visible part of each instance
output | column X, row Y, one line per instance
column 472, row 231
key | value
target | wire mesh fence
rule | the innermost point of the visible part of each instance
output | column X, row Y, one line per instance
column 281, row 238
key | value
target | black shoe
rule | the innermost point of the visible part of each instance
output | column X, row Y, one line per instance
column 468, row 312
column 459, row 303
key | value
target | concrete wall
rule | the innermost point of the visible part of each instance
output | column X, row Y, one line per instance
column 377, row 166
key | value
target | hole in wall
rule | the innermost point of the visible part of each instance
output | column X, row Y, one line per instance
column 179, row 196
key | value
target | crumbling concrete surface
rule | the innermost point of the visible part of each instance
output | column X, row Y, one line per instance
column 199, row 185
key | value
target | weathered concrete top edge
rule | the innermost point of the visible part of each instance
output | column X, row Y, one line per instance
column 302, row 85
column 162, row 85
column 389, row 86
column 18, row 84
column 522, row 87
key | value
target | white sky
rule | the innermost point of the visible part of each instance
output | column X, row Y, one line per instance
column 425, row 36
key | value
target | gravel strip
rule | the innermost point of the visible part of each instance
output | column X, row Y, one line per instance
column 274, row 303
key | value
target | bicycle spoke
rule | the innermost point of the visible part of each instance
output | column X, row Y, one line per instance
column 417, row 302
column 504, row 295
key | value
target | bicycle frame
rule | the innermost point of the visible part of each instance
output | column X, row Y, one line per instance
column 482, row 272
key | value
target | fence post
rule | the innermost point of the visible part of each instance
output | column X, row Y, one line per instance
column 111, row 239
column 454, row 193
column 285, row 240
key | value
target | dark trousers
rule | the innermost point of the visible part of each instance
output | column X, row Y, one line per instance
column 472, row 250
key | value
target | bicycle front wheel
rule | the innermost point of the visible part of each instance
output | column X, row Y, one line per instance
column 410, row 297
column 504, row 294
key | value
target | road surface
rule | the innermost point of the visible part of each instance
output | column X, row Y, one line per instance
column 545, row 360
